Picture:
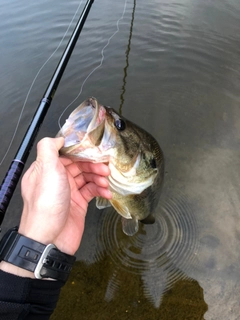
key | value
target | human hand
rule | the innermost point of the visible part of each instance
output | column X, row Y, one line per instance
column 56, row 192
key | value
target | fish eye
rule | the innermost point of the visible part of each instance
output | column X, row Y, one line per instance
column 120, row 124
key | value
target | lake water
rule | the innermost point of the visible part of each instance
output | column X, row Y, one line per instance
column 174, row 69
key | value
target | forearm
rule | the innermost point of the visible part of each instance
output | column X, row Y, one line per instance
column 21, row 295
column 26, row 298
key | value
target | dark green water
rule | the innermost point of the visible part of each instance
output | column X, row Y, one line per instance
column 173, row 68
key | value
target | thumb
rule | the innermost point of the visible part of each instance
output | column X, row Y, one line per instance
column 48, row 148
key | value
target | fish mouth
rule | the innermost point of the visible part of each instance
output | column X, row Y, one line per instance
column 84, row 130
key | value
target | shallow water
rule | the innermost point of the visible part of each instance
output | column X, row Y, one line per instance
column 173, row 69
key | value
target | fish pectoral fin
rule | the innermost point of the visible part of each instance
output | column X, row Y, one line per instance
column 102, row 203
column 129, row 226
column 149, row 220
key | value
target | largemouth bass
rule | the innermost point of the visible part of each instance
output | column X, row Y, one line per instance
column 97, row 133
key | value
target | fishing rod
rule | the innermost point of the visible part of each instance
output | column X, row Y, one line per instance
column 15, row 170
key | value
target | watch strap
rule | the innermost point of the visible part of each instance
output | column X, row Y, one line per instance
column 46, row 261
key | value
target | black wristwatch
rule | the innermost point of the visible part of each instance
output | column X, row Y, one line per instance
column 46, row 261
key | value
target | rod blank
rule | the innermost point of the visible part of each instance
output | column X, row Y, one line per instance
column 15, row 170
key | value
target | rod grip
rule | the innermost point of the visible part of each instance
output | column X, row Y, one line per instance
column 9, row 185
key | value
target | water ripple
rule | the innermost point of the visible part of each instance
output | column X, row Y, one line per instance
column 166, row 247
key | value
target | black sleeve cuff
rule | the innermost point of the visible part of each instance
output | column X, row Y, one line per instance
column 28, row 298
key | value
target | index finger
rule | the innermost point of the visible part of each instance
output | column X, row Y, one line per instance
column 101, row 169
column 75, row 168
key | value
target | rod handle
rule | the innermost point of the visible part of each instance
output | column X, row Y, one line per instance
column 9, row 185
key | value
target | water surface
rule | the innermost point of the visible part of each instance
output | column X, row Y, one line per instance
column 173, row 68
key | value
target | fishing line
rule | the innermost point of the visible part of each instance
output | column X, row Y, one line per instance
column 33, row 82
column 97, row 67
column 125, row 70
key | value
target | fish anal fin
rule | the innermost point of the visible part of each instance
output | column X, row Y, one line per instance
column 129, row 226
column 102, row 203
column 150, row 219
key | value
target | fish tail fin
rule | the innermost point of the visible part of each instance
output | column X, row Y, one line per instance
column 130, row 226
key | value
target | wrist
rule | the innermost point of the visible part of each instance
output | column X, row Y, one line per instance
column 33, row 226
column 10, row 268
column 36, row 259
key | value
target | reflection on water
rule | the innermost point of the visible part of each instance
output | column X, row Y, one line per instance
column 151, row 266
column 161, row 253
column 93, row 292
column 127, row 59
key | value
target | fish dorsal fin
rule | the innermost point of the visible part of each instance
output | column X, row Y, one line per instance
column 129, row 226
column 102, row 203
